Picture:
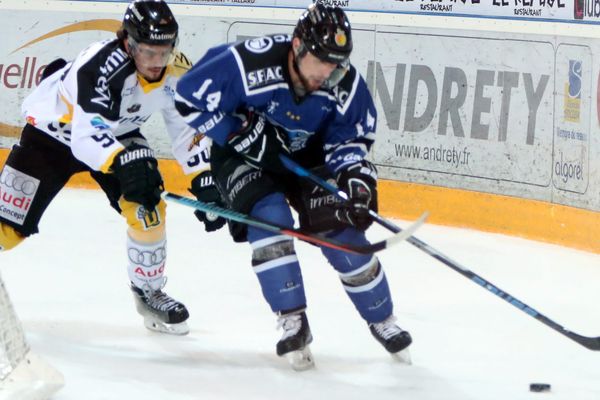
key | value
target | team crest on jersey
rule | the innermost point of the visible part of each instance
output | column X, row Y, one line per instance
column 259, row 45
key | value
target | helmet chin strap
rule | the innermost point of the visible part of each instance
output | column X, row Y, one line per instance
column 303, row 91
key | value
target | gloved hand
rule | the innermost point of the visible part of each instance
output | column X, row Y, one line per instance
column 260, row 142
column 137, row 171
column 205, row 190
column 359, row 181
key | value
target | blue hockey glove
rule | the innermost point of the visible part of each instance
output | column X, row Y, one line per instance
column 359, row 181
column 205, row 190
column 260, row 143
column 137, row 171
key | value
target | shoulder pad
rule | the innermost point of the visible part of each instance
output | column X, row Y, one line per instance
column 108, row 61
column 260, row 59
column 101, row 77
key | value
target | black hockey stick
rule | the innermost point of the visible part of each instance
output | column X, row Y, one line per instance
column 592, row 343
column 297, row 233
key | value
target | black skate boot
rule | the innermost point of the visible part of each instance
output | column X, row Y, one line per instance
column 294, row 343
column 392, row 337
column 161, row 312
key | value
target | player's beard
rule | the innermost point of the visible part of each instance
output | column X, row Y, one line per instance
column 151, row 74
column 301, row 88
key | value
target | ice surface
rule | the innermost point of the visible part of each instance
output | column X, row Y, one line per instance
column 69, row 287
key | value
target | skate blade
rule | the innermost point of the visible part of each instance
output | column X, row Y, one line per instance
column 301, row 360
column 156, row 325
column 403, row 357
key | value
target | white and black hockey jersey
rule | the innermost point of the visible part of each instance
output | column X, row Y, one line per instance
column 99, row 97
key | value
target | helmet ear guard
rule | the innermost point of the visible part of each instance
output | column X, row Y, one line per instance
column 337, row 75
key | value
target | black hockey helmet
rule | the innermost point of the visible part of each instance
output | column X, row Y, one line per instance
column 325, row 32
column 150, row 22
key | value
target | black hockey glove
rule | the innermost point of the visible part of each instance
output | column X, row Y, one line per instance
column 260, row 143
column 137, row 171
column 359, row 181
column 205, row 190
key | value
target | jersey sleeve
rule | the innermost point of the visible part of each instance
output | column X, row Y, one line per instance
column 350, row 135
column 210, row 92
column 190, row 150
column 93, row 116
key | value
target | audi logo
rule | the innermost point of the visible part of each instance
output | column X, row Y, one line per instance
column 147, row 258
column 18, row 182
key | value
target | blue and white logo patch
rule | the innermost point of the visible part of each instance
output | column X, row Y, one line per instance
column 99, row 123
column 259, row 45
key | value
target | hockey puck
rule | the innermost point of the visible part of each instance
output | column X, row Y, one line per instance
column 539, row 387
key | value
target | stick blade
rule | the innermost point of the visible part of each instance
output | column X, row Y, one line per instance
column 409, row 231
column 591, row 343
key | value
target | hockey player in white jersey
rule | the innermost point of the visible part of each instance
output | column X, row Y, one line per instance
column 85, row 116
column 296, row 95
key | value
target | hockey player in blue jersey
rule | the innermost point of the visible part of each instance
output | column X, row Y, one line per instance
column 296, row 95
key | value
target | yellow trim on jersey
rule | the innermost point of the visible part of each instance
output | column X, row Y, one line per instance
column 66, row 118
column 147, row 87
column 179, row 65
column 109, row 161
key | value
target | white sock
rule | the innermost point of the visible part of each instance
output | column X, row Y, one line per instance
column 146, row 262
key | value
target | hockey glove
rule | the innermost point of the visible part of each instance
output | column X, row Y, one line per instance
column 205, row 190
column 260, row 143
column 137, row 171
column 359, row 181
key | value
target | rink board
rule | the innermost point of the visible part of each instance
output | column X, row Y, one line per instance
column 538, row 220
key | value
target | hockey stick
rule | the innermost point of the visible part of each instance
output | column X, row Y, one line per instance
column 297, row 233
column 592, row 343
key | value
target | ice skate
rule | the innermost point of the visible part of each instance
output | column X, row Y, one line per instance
column 161, row 312
column 294, row 344
column 393, row 338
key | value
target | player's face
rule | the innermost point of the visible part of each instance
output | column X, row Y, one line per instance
column 150, row 60
column 314, row 71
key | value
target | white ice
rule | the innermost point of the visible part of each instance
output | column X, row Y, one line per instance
column 69, row 287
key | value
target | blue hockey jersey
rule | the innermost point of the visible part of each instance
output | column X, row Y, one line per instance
column 253, row 75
